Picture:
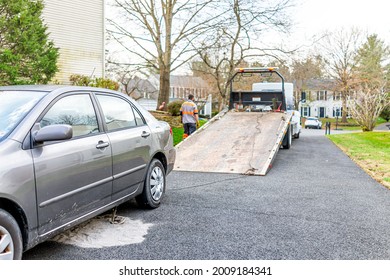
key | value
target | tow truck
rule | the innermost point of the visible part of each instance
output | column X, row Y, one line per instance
column 246, row 136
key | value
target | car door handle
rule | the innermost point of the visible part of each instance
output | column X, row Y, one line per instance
column 102, row 145
column 145, row 134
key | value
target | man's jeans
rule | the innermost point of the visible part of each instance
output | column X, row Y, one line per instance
column 189, row 128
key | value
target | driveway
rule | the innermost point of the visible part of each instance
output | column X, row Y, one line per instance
column 315, row 203
column 383, row 127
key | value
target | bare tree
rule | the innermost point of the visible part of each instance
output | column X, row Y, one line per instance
column 367, row 105
column 161, row 34
column 236, row 41
column 340, row 51
column 304, row 70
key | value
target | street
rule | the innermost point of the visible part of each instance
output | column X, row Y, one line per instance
column 315, row 203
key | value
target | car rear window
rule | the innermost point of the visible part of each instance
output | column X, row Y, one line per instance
column 14, row 106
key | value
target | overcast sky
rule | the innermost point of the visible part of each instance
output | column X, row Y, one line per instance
column 315, row 16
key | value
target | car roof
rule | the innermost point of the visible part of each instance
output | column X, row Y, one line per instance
column 46, row 88
column 50, row 88
column 55, row 90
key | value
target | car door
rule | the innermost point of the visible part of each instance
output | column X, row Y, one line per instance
column 73, row 177
column 130, row 140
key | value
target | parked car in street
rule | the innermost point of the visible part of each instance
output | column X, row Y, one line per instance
column 71, row 153
column 312, row 122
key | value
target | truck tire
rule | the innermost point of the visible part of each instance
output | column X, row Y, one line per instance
column 287, row 139
column 11, row 244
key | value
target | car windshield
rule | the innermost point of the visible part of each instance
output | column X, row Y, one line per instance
column 14, row 105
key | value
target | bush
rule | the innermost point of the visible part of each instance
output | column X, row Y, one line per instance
column 174, row 107
column 82, row 80
column 105, row 83
column 214, row 113
column 386, row 113
column 79, row 80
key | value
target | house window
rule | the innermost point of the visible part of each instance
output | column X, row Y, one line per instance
column 172, row 92
column 337, row 112
column 305, row 111
column 337, row 96
column 349, row 114
column 321, row 95
column 303, row 96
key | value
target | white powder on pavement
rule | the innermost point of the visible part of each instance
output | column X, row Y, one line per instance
column 99, row 232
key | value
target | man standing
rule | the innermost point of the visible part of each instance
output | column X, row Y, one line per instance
column 189, row 116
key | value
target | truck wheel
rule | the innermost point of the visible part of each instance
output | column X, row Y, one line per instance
column 287, row 139
column 11, row 247
column 154, row 186
column 296, row 136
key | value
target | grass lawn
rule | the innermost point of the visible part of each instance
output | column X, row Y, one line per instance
column 178, row 132
column 370, row 150
column 175, row 123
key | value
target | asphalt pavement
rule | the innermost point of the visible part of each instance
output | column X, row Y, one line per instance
column 383, row 127
column 315, row 203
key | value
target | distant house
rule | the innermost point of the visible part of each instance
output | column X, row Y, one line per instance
column 77, row 29
column 320, row 100
column 181, row 86
column 141, row 88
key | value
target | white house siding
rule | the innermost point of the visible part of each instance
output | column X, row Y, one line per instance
column 77, row 29
column 313, row 107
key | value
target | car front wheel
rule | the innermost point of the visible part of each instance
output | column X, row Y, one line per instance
column 10, row 238
column 154, row 186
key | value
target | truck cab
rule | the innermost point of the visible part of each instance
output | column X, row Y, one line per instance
column 263, row 89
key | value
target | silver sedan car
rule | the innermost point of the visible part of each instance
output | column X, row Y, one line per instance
column 71, row 153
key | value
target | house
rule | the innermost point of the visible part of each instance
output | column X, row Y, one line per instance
column 77, row 28
column 320, row 99
column 139, row 88
column 181, row 86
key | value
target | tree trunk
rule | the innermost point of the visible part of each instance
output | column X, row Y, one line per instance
column 345, row 109
column 163, row 95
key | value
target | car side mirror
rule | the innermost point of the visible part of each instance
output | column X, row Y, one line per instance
column 54, row 132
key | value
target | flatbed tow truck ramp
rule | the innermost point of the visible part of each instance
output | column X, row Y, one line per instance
column 238, row 142
column 246, row 138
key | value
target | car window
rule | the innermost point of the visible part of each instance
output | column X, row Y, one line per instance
column 139, row 120
column 74, row 110
column 118, row 113
column 15, row 105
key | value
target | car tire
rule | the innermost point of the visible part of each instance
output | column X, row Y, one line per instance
column 154, row 186
column 11, row 243
column 296, row 136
